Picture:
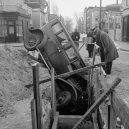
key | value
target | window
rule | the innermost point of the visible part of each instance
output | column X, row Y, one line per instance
column 11, row 23
column 19, row 28
column 3, row 28
column 62, row 38
column 56, row 28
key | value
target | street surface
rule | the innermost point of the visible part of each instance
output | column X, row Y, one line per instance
column 21, row 118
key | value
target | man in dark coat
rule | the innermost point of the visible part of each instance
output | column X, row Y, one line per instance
column 90, row 44
column 75, row 37
column 108, row 50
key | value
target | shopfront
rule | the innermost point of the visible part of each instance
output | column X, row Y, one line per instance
column 125, row 28
column 13, row 27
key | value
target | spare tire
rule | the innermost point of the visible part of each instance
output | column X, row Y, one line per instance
column 33, row 39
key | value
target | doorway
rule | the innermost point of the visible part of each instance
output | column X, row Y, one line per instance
column 11, row 31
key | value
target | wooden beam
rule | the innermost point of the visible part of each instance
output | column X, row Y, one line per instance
column 81, row 70
column 42, row 81
column 33, row 114
column 94, row 116
column 113, row 117
column 97, row 103
column 55, row 121
column 53, row 91
column 121, row 107
column 36, row 91
column 96, row 95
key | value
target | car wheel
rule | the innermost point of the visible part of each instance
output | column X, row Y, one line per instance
column 63, row 99
column 32, row 42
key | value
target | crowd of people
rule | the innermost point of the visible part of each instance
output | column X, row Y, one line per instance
column 106, row 46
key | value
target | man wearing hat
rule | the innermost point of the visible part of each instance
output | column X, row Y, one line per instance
column 107, row 48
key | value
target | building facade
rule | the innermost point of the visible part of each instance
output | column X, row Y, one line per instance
column 110, row 20
column 15, row 19
column 39, row 12
column 92, row 17
column 125, row 20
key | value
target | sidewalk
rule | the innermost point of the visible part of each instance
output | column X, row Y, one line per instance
column 123, row 45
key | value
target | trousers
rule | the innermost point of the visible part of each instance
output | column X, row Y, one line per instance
column 108, row 66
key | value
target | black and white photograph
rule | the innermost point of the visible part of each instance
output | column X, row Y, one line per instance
column 64, row 64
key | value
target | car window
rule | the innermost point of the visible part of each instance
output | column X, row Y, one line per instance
column 66, row 45
column 56, row 28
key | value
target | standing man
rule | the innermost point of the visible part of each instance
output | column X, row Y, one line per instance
column 75, row 37
column 107, row 49
column 90, row 44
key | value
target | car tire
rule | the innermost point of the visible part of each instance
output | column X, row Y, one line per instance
column 32, row 42
column 63, row 99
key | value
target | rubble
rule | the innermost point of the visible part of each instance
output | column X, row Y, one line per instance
column 15, row 72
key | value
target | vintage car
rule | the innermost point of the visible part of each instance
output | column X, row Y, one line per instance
column 57, row 49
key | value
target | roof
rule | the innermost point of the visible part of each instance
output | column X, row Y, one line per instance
column 114, row 7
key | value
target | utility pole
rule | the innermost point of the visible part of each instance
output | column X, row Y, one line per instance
column 49, row 9
column 100, row 14
column 116, row 1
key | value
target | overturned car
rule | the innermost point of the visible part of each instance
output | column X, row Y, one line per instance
column 57, row 50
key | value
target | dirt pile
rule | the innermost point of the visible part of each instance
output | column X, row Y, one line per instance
column 15, row 73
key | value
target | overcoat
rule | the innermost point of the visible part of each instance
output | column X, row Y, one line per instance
column 107, row 44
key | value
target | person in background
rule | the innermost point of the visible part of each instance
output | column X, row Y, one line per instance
column 107, row 49
column 90, row 44
column 75, row 37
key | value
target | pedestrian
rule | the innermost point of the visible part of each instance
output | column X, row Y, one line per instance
column 75, row 37
column 107, row 49
column 90, row 44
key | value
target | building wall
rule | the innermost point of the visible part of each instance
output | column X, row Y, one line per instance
column 85, row 19
column 92, row 16
column 125, row 4
column 89, row 19
column 36, row 18
column 12, row 2
column 39, row 18
column 15, row 20
column 40, row 13
column 110, row 20
column 95, row 18
column 125, row 20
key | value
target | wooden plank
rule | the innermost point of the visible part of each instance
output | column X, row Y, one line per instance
column 97, row 103
column 96, row 96
column 55, row 121
column 95, row 123
column 42, row 81
column 81, row 70
column 69, row 119
column 113, row 117
column 33, row 114
column 121, row 108
column 53, row 91
column 43, row 59
column 84, row 43
column 36, row 91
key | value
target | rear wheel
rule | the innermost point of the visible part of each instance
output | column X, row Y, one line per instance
column 63, row 99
